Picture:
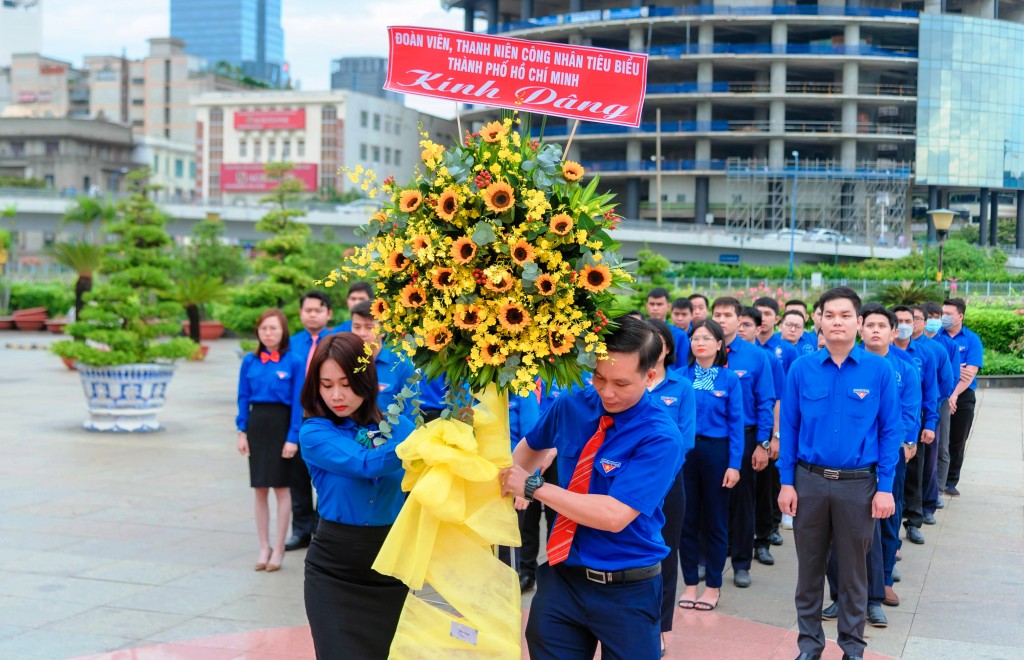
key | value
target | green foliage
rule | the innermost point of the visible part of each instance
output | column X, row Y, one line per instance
column 653, row 266
column 56, row 297
column 81, row 257
column 19, row 182
column 1002, row 364
column 908, row 293
column 87, row 211
column 1007, row 232
column 1000, row 330
column 128, row 317
column 209, row 255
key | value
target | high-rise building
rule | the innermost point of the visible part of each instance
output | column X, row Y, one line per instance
column 244, row 34
column 365, row 75
column 21, row 28
column 46, row 87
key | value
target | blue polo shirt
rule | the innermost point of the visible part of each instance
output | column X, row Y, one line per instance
column 300, row 342
column 969, row 352
column 637, row 464
column 354, row 485
column 783, row 351
column 393, row 373
column 844, row 418
column 926, row 360
column 675, row 394
column 682, row 341
column 344, row 326
column 523, row 413
column 908, row 384
column 553, row 390
column 752, row 366
column 719, row 411
column 272, row 382
column 808, row 343
column 432, row 394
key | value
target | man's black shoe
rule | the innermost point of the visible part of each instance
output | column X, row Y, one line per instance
column 951, row 491
column 775, row 538
column 915, row 536
column 876, row 617
column 847, row 656
column 764, row 556
column 741, row 578
column 830, row 613
column 809, row 656
column 929, row 519
column 526, row 583
column 295, row 542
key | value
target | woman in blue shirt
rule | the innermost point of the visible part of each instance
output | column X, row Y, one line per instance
column 353, row 610
column 713, row 466
column 269, row 416
column 671, row 390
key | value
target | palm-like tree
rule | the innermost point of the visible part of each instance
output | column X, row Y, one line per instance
column 193, row 293
column 87, row 211
column 83, row 258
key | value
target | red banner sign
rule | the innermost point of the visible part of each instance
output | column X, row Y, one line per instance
column 251, row 177
column 270, row 120
column 579, row 82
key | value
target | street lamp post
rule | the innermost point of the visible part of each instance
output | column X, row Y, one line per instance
column 792, row 214
column 943, row 220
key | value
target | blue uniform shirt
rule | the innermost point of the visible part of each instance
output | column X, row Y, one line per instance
column 752, row 366
column 682, row 341
column 808, row 343
column 783, row 351
column 843, row 418
column 908, row 384
column 523, row 413
column 720, row 411
column 946, row 375
column 345, row 326
column 301, row 341
column 969, row 352
column 354, row 485
column 432, row 393
column 637, row 464
column 393, row 373
column 273, row 382
column 675, row 394
column 926, row 361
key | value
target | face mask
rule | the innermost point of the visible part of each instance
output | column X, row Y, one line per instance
column 904, row 331
column 947, row 321
column 932, row 326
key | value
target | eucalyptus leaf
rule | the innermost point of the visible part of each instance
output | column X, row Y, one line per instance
column 531, row 271
column 384, row 427
column 483, row 233
column 588, row 360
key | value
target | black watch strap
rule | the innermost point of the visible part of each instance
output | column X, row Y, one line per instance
column 533, row 482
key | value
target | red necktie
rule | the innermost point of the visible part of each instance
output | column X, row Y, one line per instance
column 270, row 357
column 312, row 350
column 560, row 540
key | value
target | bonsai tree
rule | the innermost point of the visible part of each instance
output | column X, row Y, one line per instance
column 83, row 258
column 127, row 317
column 208, row 254
column 193, row 292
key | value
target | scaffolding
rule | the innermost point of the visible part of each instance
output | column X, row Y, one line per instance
column 866, row 205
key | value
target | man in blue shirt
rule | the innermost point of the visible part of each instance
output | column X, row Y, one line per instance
column 841, row 432
column 357, row 292
column 394, row 371
column 808, row 342
column 754, row 369
column 618, row 452
column 682, row 314
column 657, row 309
column 933, row 330
column 961, row 402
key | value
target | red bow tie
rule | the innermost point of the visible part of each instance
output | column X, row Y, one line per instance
column 270, row 357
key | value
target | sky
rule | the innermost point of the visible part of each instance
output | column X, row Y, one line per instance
column 315, row 32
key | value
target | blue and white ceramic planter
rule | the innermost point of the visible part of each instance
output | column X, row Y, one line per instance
column 125, row 398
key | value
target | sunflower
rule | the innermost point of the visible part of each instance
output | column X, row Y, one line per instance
column 596, row 278
column 561, row 224
column 379, row 308
column 572, row 171
column 545, row 284
column 561, row 342
column 513, row 317
column 493, row 132
column 463, row 251
column 499, row 197
column 447, row 205
column 443, row 278
column 468, row 317
column 490, row 353
column 413, row 295
column 397, row 261
column 500, row 282
column 420, row 242
column 410, row 201
column 379, row 216
column 438, row 338
column 522, row 252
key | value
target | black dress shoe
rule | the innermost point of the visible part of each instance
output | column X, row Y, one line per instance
column 830, row 613
column 741, row 578
column 295, row 542
column 951, row 491
column 809, row 656
column 876, row 617
column 526, row 583
column 764, row 556
column 775, row 538
column 847, row 656
column 929, row 519
column 915, row 536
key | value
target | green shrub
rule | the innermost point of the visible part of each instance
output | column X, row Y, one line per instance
column 997, row 328
column 1001, row 364
column 56, row 297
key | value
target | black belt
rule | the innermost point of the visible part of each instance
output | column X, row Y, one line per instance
column 829, row 473
column 612, row 577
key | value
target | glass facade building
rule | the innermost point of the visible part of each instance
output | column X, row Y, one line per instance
column 244, row 33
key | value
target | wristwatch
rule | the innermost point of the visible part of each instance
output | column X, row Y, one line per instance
column 533, row 482
column 776, row 435
column 909, row 445
column 767, row 444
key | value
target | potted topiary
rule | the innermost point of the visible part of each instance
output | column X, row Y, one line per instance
column 123, row 343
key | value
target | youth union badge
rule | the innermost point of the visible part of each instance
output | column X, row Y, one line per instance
column 861, row 392
column 608, row 465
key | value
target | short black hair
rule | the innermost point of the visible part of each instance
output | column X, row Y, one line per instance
column 753, row 314
column 770, row 303
column 316, row 295
column 635, row 313
column 902, row 308
column 358, row 286
column 796, row 301
column 658, row 292
column 682, row 303
column 793, row 312
column 727, row 301
column 362, row 309
column 839, row 293
column 817, row 304
column 876, row 309
column 931, row 308
column 961, row 306
column 721, row 358
column 694, row 296
column 666, row 336
column 917, row 308
column 636, row 336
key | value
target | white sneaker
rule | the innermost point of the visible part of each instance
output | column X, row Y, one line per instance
column 787, row 521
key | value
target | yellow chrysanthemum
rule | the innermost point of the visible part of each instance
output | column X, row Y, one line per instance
column 438, row 338
column 561, row 224
column 596, row 278
column 447, row 205
column 499, row 197
column 463, row 251
column 413, row 295
column 572, row 171
column 513, row 317
column 522, row 252
column 410, row 201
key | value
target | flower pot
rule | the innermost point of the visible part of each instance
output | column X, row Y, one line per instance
column 30, row 324
column 125, row 398
column 200, row 353
column 56, row 326
column 208, row 330
column 6, row 322
column 69, row 363
column 31, row 313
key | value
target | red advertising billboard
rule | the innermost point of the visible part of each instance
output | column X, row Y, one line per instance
column 251, row 177
column 579, row 82
column 270, row 120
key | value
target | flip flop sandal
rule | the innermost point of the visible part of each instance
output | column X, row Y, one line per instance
column 686, row 604
column 702, row 606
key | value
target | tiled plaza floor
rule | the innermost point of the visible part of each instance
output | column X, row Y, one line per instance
column 142, row 546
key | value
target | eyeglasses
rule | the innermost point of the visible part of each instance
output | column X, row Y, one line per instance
column 792, row 326
column 747, row 324
column 702, row 339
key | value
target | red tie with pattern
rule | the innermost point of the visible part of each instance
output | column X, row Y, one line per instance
column 560, row 540
column 312, row 351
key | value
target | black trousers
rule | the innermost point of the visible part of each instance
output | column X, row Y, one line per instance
column 741, row 507
column 674, row 510
column 959, row 429
column 767, row 515
column 913, row 488
column 529, row 527
column 304, row 515
column 832, row 515
column 876, row 574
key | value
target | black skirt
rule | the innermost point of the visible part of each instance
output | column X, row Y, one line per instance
column 353, row 610
column 267, row 432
